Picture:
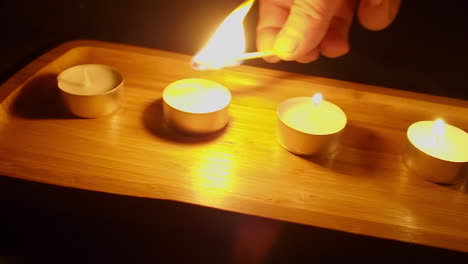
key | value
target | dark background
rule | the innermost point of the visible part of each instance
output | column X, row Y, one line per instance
column 425, row 50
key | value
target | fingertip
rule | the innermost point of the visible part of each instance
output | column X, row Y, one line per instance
column 272, row 59
column 375, row 3
column 265, row 42
column 266, row 38
column 334, row 52
column 334, row 46
column 377, row 15
column 286, row 45
column 311, row 56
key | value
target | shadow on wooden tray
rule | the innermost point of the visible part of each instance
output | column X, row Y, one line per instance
column 48, row 224
column 360, row 155
column 354, row 160
column 461, row 185
column 40, row 98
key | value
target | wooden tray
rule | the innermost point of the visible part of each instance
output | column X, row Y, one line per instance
column 363, row 189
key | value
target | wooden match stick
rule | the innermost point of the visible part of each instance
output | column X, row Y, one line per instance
column 255, row 55
column 244, row 56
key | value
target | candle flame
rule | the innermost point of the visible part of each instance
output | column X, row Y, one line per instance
column 227, row 43
column 439, row 128
column 317, row 99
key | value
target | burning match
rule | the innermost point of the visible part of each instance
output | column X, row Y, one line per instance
column 199, row 65
column 226, row 47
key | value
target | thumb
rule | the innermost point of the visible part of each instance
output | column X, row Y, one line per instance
column 305, row 27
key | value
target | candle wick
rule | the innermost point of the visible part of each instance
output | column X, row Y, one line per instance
column 87, row 79
column 314, row 115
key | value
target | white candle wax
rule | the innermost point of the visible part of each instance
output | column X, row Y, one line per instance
column 91, row 90
column 196, row 105
column 89, row 79
column 310, row 126
column 436, row 151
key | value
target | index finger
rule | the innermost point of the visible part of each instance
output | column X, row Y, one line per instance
column 305, row 27
column 272, row 17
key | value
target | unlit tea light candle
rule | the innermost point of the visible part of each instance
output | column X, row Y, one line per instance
column 91, row 90
column 196, row 105
column 310, row 125
column 436, row 151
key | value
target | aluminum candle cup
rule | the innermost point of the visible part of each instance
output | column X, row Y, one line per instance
column 310, row 126
column 91, row 90
column 436, row 151
column 196, row 106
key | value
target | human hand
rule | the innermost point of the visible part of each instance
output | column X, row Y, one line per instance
column 302, row 30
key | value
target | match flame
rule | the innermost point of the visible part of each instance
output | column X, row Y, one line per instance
column 227, row 43
column 439, row 128
column 317, row 99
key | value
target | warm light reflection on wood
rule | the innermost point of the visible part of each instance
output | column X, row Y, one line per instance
column 214, row 175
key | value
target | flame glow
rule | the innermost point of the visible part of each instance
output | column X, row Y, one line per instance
column 214, row 173
column 227, row 43
column 317, row 99
column 439, row 128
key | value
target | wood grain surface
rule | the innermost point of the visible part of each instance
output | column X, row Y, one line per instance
column 364, row 188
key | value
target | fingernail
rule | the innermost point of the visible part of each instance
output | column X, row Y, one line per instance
column 375, row 3
column 272, row 59
column 286, row 45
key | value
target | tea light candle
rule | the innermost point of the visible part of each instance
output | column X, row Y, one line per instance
column 197, row 106
column 91, row 90
column 310, row 126
column 436, row 151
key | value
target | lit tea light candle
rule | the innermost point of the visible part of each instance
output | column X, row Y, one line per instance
column 196, row 106
column 436, row 151
column 91, row 90
column 310, row 126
